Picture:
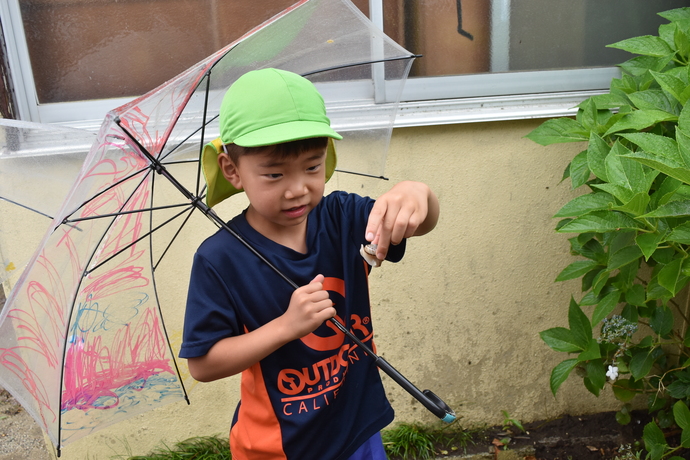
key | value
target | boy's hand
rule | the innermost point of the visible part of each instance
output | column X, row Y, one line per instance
column 408, row 209
column 309, row 307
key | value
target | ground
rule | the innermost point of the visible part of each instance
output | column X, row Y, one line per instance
column 20, row 436
column 585, row 437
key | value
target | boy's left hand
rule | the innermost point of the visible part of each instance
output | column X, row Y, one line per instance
column 408, row 209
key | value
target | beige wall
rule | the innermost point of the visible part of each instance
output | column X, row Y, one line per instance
column 461, row 313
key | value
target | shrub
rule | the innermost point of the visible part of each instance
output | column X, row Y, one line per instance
column 631, row 229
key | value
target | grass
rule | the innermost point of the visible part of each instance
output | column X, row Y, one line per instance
column 405, row 441
column 414, row 441
column 199, row 448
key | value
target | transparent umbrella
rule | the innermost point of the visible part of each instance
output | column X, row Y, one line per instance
column 82, row 338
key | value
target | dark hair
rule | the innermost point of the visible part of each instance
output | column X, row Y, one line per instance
column 282, row 150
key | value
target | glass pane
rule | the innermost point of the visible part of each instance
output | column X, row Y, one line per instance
column 96, row 49
column 476, row 36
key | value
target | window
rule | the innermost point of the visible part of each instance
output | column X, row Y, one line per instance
column 72, row 60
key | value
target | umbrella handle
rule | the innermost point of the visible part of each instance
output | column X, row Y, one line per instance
column 427, row 397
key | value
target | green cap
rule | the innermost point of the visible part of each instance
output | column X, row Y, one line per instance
column 266, row 107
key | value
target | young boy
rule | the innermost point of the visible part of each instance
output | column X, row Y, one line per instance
column 307, row 391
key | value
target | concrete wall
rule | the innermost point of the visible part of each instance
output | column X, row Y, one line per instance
column 461, row 313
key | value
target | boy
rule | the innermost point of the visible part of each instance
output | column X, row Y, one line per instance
column 307, row 392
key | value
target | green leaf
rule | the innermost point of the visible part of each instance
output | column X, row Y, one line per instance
column 636, row 206
column 560, row 373
column 629, row 312
column 626, row 276
column 679, row 389
column 652, row 99
column 606, row 306
column 593, row 250
column 624, row 256
column 683, row 134
column 654, row 441
column 641, row 363
column 648, row 242
column 671, row 276
column 558, row 130
column 681, row 42
column 681, row 414
column 591, row 352
column 636, row 295
column 609, row 100
column 665, row 165
column 579, row 170
column 676, row 15
column 619, row 240
column 684, row 119
column 624, row 171
column 639, row 65
column 560, row 339
column 597, row 151
column 680, row 234
column 576, row 270
column 623, row 193
column 596, row 372
column 656, row 291
column 665, row 191
column 655, row 402
column 600, row 222
column 640, row 119
column 579, row 324
column 587, row 282
column 661, row 321
column 671, row 84
column 591, row 298
column 622, row 418
column 655, row 144
column 600, row 281
column 646, row 45
column 585, row 204
column 587, row 115
column 624, row 390
column 684, row 440
column 677, row 208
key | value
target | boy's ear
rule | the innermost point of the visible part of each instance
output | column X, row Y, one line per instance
column 229, row 170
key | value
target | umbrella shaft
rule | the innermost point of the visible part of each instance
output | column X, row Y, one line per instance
column 434, row 404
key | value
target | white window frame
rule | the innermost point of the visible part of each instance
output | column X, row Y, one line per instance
column 495, row 96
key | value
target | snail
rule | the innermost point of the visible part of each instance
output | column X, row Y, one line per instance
column 368, row 252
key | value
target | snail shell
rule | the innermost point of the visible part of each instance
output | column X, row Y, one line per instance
column 368, row 252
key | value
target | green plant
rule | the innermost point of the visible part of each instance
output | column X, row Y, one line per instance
column 632, row 233
column 626, row 452
column 408, row 441
column 509, row 422
column 199, row 448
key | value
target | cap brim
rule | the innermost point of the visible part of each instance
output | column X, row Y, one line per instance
column 286, row 132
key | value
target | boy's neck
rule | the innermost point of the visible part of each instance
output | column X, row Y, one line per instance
column 293, row 237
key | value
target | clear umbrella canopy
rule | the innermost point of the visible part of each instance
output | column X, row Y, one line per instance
column 82, row 339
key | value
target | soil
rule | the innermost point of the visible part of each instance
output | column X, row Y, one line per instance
column 585, row 437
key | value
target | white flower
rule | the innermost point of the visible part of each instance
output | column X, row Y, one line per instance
column 612, row 373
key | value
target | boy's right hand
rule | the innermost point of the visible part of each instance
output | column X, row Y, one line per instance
column 310, row 306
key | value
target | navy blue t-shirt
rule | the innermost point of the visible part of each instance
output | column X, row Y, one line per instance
column 319, row 397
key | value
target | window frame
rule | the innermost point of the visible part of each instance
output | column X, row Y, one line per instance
column 425, row 100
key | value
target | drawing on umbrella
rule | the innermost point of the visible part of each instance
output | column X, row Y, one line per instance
column 82, row 339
